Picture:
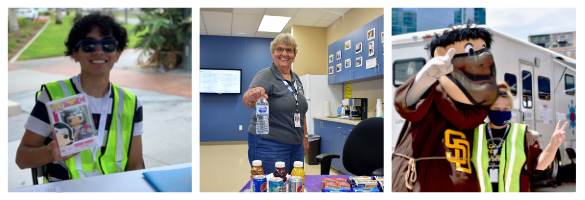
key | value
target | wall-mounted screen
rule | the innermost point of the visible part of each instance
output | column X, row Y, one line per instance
column 220, row 81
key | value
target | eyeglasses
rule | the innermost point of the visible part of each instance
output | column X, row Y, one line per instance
column 280, row 50
column 89, row 45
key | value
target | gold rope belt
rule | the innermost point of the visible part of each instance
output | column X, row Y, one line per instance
column 412, row 167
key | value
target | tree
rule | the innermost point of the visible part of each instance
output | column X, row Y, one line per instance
column 12, row 20
column 58, row 16
column 67, row 11
column 167, row 31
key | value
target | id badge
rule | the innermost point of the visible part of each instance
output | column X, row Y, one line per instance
column 494, row 175
column 297, row 119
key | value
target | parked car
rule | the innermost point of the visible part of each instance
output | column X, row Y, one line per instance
column 29, row 13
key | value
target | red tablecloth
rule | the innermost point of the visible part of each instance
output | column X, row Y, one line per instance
column 311, row 182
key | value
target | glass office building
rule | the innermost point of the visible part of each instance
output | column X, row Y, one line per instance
column 408, row 20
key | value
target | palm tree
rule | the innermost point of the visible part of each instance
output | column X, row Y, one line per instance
column 58, row 16
column 13, row 20
column 77, row 12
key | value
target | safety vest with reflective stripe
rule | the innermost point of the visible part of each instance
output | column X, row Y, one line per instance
column 115, row 156
column 512, row 159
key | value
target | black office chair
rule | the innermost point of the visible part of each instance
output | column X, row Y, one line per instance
column 363, row 152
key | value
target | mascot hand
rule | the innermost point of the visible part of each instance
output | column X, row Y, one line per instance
column 438, row 66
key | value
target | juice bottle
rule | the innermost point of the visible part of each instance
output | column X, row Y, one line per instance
column 256, row 168
column 280, row 171
column 298, row 170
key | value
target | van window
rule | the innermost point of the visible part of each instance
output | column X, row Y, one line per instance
column 569, row 84
column 511, row 81
column 526, row 89
column 404, row 69
column 543, row 88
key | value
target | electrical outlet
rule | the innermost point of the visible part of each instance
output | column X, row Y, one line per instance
column 240, row 127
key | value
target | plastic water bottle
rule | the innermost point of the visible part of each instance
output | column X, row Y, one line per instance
column 262, row 116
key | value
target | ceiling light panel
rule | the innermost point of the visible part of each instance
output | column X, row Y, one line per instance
column 273, row 23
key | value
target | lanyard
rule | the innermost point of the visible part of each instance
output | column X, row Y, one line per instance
column 497, row 148
column 101, row 128
column 293, row 93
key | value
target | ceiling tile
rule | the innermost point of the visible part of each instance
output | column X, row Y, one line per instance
column 252, row 11
column 266, row 34
column 340, row 10
column 202, row 25
column 217, row 23
column 286, row 12
column 331, row 16
column 245, row 24
column 310, row 13
column 323, row 23
column 301, row 21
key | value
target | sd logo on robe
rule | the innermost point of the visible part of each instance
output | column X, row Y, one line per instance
column 457, row 142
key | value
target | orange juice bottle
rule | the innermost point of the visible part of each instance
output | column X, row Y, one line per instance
column 256, row 168
column 298, row 170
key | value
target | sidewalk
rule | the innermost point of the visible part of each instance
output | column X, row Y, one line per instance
column 166, row 100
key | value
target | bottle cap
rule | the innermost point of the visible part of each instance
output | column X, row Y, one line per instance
column 257, row 163
column 279, row 164
column 298, row 164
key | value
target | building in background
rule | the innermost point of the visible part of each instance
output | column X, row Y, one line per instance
column 408, row 20
column 564, row 43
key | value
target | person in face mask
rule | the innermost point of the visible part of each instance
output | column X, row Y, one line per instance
column 507, row 154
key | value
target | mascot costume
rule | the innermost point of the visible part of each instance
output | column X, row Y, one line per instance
column 442, row 105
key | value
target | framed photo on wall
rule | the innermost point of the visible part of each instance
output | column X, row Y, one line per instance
column 348, row 63
column 338, row 55
column 330, row 69
column 371, row 34
column 371, row 52
column 331, row 58
column 347, row 44
column 359, row 61
column 358, row 48
column 338, row 67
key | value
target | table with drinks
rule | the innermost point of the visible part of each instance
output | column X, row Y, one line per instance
column 297, row 181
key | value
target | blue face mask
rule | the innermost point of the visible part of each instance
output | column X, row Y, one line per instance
column 499, row 118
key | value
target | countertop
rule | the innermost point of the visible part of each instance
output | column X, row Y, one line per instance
column 345, row 121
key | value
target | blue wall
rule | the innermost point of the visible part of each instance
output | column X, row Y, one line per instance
column 221, row 114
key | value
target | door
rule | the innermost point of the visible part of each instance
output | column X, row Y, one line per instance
column 528, row 95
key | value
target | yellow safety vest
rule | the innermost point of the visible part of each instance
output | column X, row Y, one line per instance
column 115, row 156
column 510, row 169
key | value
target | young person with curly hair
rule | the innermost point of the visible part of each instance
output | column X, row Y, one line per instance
column 95, row 42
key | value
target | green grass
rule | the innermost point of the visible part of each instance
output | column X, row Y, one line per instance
column 26, row 33
column 18, row 40
column 10, row 34
column 51, row 42
column 11, row 44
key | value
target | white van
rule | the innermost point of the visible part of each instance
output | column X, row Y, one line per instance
column 542, row 84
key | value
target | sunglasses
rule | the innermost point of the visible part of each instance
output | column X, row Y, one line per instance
column 89, row 45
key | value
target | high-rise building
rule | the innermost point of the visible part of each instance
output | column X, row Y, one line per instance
column 408, row 20
column 564, row 43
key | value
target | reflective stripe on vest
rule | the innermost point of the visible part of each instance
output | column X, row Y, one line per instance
column 117, row 146
column 511, row 170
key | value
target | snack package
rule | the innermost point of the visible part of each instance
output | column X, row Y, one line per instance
column 72, row 124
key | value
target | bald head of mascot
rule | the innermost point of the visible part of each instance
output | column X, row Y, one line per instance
column 473, row 79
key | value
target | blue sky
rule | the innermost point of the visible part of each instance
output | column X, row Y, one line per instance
column 522, row 22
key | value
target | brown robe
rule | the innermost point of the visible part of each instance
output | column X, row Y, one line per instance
column 428, row 122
